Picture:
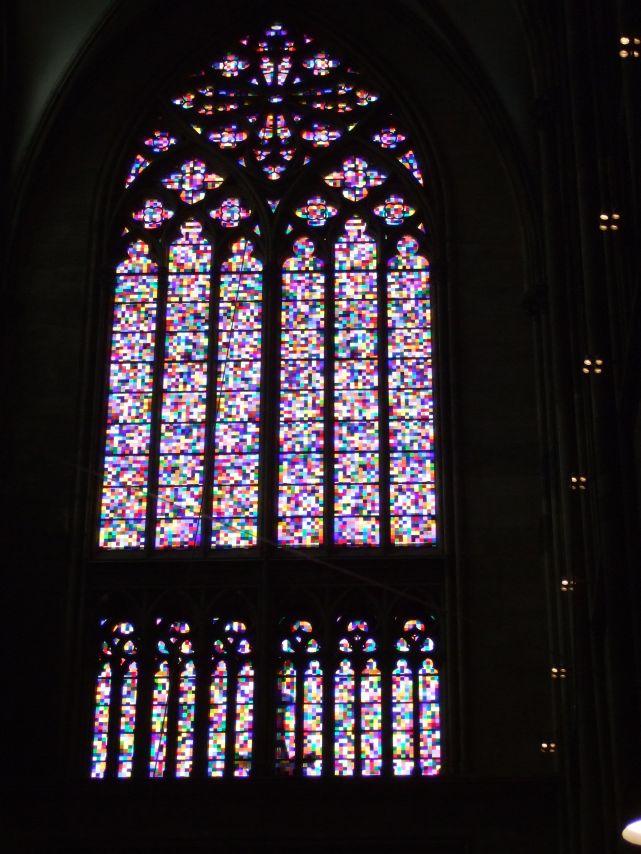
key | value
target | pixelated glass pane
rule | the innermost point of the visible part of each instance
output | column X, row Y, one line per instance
column 286, row 720
column 402, row 719
column 429, row 720
column 217, row 721
column 238, row 403
column 128, row 720
column 300, row 501
column 244, row 721
column 159, row 712
column 313, row 720
column 184, row 401
column 123, row 508
column 356, row 404
column 371, row 726
column 411, row 404
column 185, row 726
column 344, row 724
column 101, row 723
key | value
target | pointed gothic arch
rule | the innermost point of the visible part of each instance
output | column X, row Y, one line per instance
column 272, row 325
column 115, row 701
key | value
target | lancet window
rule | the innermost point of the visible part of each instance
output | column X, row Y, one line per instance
column 173, row 702
column 115, row 701
column 299, row 713
column 416, row 745
column 358, row 745
column 231, row 703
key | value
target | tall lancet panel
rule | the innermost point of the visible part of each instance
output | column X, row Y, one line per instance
column 238, row 391
column 356, row 406
column 302, row 385
column 184, row 397
column 123, row 510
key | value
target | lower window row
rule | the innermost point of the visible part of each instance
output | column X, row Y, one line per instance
column 360, row 711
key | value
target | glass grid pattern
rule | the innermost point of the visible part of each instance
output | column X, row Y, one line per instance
column 429, row 719
column 237, row 415
column 355, row 724
column 115, row 701
column 184, row 398
column 402, row 719
column 282, row 121
column 301, row 432
column 159, row 712
column 313, row 720
column 123, row 509
column 128, row 721
column 344, row 720
column 217, row 721
column 244, row 722
column 299, row 707
column 411, row 402
column 186, row 710
column 356, row 410
column 227, row 419
column 371, row 738
column 101, row 723
column 286, row 720
column 231, row 702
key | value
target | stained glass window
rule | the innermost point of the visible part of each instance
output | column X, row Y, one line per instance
column 374, row 714
column 173, row 702
column 231, row 701
column 115, row 702
column 299, row 711
column 270, row 387
column 416, row 746
column 288, row 346
column 358, row 742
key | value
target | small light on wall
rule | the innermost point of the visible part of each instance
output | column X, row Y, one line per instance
column 632, row 832
column 629, row 47
column 567, row 585
column 592, row 366
column 578, row 482
column 559, row 672
column 609, row 222
column 548, row 747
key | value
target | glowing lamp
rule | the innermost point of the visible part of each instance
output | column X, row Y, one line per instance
column 632, row 832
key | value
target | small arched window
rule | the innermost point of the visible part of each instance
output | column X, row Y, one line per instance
column 358, row 745
column 173, row 702
column 115, row 701
column 416, row 744
column 271, row 317
column 231, row 704
column 299, row 712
